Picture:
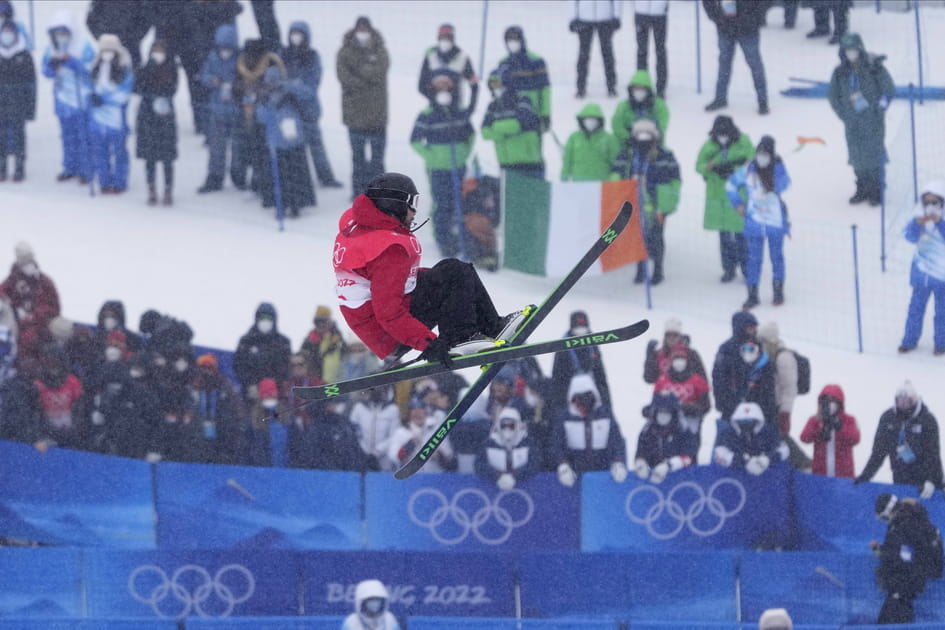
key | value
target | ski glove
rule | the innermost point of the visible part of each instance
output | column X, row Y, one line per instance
column 927, row 489
column 566, row 474
column 437, row 351
column 641, row 469
column 757, row 465
column 506, row 481
column 618, row 471
column 659, row 472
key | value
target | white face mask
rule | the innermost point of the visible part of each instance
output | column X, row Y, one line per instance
column 591, row 124
column 62, row 41
column 750, row 355
column 762, row 160
column 225, row 53
column 158, row 57
column 269, row 403
column 109, row 323
column 136, row 372
column 444, row 45
column 363, row 37
column 639, row 94
column 643, row 136
column 30, row 269
column 723, row 140
column 679, row 365
column 296, row 38
column 7, row 38
column 159, row 361
column 181, row 365
column 107, row 55
column 663, row 418
column 852, row 54
column 444, row 98
column 834, row 407
column 507, row 435
column 112, row 353
column 513, row 45
column 933, row 209
column 580, row 331
column 265, row 326
column 498, row 92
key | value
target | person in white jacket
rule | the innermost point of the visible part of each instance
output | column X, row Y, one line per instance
column 371, row 612
column 376, row 418
column 651, row 15
column 602, row 16
column 407, row 439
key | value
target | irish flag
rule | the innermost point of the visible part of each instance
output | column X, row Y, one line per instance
column 548, row 225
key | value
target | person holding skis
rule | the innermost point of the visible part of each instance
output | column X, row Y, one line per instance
column 392, row 304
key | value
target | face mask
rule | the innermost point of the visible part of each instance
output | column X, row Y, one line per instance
column 109, row 323
column 159, row 361
column 639, row 94
column 112, row 353
column 363, row 37
column 663, row 418
column 296, row 38
column 513, row 45
column 444, row 45
column 225, row 53
column 679, row 365
column 643, row 136
column 269, row 403
column 590, row 124
column 507, row 434
column 7, row 38
column 723, row 140
column 833, row 407
column 181, row 365
column 62, row 41
column 265, row 326
column 444, row 98
column 158, row 57
column 107, row 55
column 852, row 54
column 580, row 331
column 136, row 373
column 498, row 92
column 750, row 353
column 372, row 607
column 30, row 269
column 933, row 209
column 762, row 160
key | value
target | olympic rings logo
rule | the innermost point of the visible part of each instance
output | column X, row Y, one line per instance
column 705, row 515
column 470, row 511
column 191, row 589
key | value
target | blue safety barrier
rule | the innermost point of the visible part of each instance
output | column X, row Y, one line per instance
column 426, row 584
column 445, row 623
column 211, row 507
column 87, row 624
column 266, row 623
column 463, row 512
column 697, row 625
column 40, row 583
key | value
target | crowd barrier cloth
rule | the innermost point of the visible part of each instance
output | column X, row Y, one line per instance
column 212, row 507
column 697, row 508
column 267, row 623
column 75, row 498
column 88, row 624
column 630, row 585
column 465, row 513
column 731, row 625
column 40, row 582
column 177, row 584
column 434, row 623
column 426, row 584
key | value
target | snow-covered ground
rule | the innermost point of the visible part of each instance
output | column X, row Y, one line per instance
column 212, row 259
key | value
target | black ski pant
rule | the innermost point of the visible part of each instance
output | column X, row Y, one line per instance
column 896, row 609
column 605, row 33
column 656, row 23
column 451, row 295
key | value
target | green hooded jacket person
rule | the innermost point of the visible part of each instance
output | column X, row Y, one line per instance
column 726, row 149
column 642, row 102
column 860, row 92
column 590, row 151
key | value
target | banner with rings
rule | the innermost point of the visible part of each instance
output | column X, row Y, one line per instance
column 420, row 583
column 463, row 512
column 175, row 585
column 697, row 508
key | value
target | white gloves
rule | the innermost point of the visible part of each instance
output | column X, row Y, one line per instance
column 927, row 489
column 566, row 474
column 723, row 456
column 659, row 472
column 641, row 469
column 98, row 418
column 506, row 481
column 152, row 457
column 758, row 464
column 618, row 470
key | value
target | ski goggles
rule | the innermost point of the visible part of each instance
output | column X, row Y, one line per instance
column 414, row 202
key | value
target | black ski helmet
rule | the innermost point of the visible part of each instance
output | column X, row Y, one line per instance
column 393, row 194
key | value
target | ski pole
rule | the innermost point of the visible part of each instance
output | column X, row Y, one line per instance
column 458, row 205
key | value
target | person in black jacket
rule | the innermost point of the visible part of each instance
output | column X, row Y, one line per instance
column 330, row 442
column 17, row 98
column 130, row 20
column 908, row 435
column 743, row 372
column 163, row 334
column 910, row 554
column 263, row 352
column 446, row 55
column 603, row 17
column 575, row 361
column 738, row 22
column 156, row 127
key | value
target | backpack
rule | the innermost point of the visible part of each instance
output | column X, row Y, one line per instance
column 803, row 373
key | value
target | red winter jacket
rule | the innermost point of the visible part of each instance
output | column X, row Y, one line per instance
column 843, row 440
column 376, row 263
column 35, row 301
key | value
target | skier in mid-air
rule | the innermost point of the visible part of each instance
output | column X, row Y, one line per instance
column 390, row 302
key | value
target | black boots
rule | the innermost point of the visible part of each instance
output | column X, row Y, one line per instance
column 717, row 104
column 778, row 294
column 168, row 199
column 152, row 195
column 752, row 300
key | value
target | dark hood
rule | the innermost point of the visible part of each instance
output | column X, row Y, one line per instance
column 116, row 308
column 740, row 321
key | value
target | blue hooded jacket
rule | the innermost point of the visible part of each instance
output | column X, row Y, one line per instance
column 72, row 87
column 218, row 74
column 304, row 68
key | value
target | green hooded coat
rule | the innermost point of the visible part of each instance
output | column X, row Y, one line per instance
column 859, row 94
column 628, row 112
column 588, row 156
column 719, row 213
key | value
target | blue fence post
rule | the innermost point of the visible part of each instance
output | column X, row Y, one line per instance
column 698, row 51
column 918, row 50
column 915, row 171
column 856, row 288
column 882, row 218
column 482, row 39
column 32, row 27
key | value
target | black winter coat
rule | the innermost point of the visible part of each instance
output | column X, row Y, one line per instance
column 734, row 381
column 261, row 355
column 17, row 87
column 156, row 126
column 911, row 553
column 20, row 411
column 919, row 432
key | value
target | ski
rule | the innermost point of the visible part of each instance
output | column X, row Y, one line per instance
column 535, row 318
column 500, row 353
